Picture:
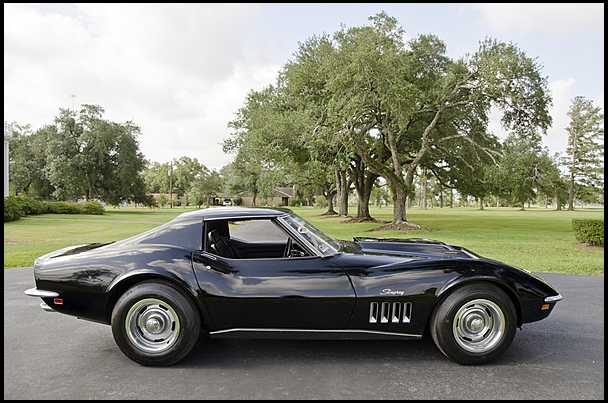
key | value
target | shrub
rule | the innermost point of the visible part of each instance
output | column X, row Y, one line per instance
column 589, row 231
column 31, row 206
column 91, row 207
column 20, row 206
column 320, row 201
column 13, row 210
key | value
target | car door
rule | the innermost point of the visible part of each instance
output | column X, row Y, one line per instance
column 274, row 293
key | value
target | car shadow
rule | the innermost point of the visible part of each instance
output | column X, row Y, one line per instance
column 233, row 353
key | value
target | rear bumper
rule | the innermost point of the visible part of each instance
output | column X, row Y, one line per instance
column 34, row 292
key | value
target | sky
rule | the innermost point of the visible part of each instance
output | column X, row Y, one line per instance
column 181, row 72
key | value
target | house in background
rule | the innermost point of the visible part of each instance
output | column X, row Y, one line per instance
column 280, row 197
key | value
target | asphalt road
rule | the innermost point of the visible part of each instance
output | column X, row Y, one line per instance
column 49, row 355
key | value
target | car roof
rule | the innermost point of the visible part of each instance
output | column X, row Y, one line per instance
column 233, row 212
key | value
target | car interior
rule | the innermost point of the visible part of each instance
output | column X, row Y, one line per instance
column 250, row 239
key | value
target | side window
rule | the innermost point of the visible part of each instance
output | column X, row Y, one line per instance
column 250, row 239
column 256, row 231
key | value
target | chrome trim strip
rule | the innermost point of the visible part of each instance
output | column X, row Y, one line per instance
column 407, row 312
column 34, row 292
column 373, row 312
column 469, row 254
column 243, row 217
column 554, row 298
column 45, row 307
column 296, row 235
column 384, row 312
column 315, row 331
column 396, row 312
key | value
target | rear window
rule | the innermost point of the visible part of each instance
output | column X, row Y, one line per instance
column 185, row 233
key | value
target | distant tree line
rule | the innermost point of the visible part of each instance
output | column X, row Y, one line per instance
column 361, row 111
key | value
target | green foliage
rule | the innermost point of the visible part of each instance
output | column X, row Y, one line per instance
column 13, row 209
column 27, row 160
column 294, row 202
column 589, row 231
column 320, row 202
column 585, row 153
column 31, row 206
column 203, row 187
column 526, row 169
column 21, row 206
column 79, row 154
column 149, row 201
column 365, row 93
column 91, row 207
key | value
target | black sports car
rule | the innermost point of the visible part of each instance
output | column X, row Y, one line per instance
column 242, row 272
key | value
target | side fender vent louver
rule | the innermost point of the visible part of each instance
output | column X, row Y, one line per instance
column 390, row 312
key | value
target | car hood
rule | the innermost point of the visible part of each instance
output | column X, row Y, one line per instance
column 409, row 247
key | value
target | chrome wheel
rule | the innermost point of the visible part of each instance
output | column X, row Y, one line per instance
column 152, row 325
column 479, row 326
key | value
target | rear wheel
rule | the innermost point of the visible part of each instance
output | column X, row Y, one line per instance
column 155, row 324
column 475, row 324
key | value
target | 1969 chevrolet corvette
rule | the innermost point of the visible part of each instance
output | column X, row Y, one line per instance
column 246, row 272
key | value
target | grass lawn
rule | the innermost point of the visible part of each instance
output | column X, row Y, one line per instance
column 535, row 239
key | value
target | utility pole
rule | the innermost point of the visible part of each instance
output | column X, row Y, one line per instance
column 6, row 164
column 171, row 184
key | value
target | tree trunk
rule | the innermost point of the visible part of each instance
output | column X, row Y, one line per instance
column 363, row 200
column 423, row 190
column 363, row 180
column 441, row 199
column 330, row 203
column 399, row 211
column 481, row 203
column 343, row 187
column 255, row 195
column 451, row 198
column 571, row 193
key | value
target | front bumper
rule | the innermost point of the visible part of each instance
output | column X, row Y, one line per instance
column 554, row 298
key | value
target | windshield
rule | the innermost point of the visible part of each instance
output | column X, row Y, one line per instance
column 321, row 242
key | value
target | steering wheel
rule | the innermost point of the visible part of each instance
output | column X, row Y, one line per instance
column 287, row 251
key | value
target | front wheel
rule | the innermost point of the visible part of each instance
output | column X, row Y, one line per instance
column 155, row 324
column 475, row 324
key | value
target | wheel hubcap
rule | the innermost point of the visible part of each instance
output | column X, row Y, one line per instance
column 479, row 326
column 152, row 325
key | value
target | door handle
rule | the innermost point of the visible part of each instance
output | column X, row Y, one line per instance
column 219, row 269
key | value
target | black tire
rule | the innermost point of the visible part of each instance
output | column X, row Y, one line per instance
column 442, row 320
column 187, row 313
